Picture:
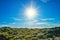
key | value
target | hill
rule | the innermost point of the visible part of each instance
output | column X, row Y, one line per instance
column 7, row 33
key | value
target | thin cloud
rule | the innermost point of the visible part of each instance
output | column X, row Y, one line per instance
column 18, row 19
column 39, row 23
column 4, row 25
column 35, row 23
column 31, row 22
column 13, row 23
column 45, row 1
column 45, row 19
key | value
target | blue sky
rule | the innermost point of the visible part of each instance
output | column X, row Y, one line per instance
column 12, row 13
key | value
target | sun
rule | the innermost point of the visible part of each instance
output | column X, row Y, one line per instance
column 30, row 12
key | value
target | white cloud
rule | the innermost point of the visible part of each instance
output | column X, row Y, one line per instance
column 32, row 21
column 35, row 20
column 4, row 25
column 36, row 27
column 39, row 23
column 45, row 19
column 45, row 1
column 13, row 23
column 35, row 23
column 18, row 19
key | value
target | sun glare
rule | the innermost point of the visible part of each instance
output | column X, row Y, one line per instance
column 30, row 13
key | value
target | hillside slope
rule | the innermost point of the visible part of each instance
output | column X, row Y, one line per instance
column 7, row 33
